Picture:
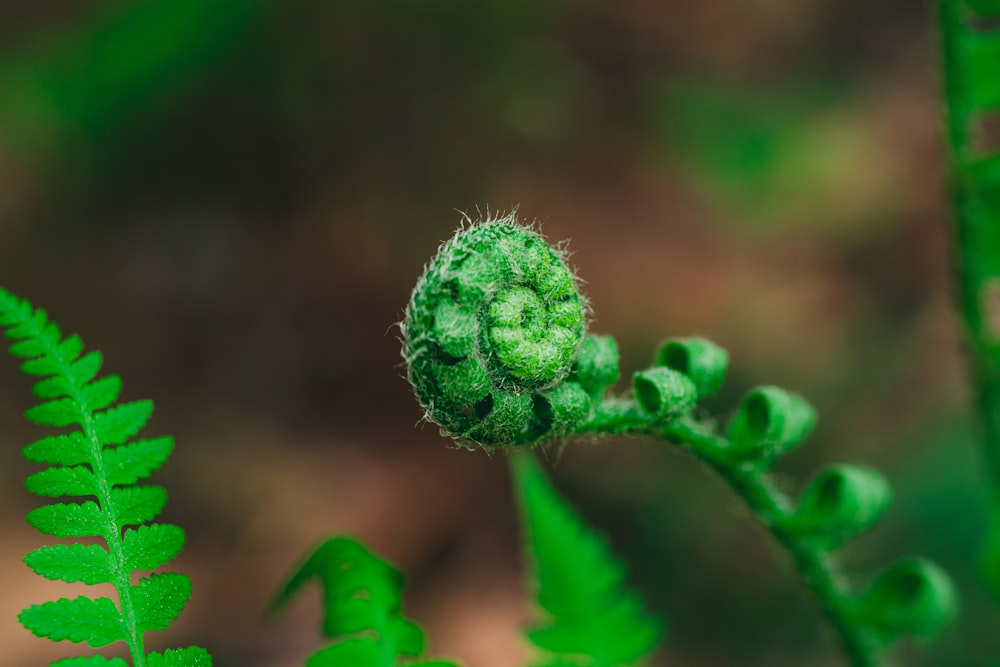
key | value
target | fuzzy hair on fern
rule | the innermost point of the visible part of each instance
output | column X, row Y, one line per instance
column 499, row 357
column 97, row 462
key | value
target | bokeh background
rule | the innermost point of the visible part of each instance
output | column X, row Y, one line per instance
column 232, row 200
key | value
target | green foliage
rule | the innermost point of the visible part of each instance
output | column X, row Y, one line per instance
column 593, row 619
column 97, row 460
column 362, row 603
column 500, row 263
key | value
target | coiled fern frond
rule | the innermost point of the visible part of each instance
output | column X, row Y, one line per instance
column 498, row 355
column 97, row 461
column 362, row 603
column 593, row 619
column 491, row 335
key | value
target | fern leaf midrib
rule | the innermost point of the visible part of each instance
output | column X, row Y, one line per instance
column 122, row 579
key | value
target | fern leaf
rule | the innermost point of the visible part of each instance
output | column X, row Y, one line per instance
column 36, row 346
column 69, row 519
column 62, row 481
column 90, row 661
column 68, row 449
column 362, row 596
column 80, row 372
column 593, row 619
column 159, row 599
column 407, row 637
column 96, row 622
column 192, row 656
column 117, row 425
column 150, row 546
column 129, row 463
column 982, row 53
column 98, row 462
column 101, row 393
column 60, row 412
column 72, row 562
column 361, row 651
column 134, row 505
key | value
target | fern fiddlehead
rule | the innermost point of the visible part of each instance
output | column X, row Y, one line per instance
column 490, row 337
column 484, row 406
column 98, row 460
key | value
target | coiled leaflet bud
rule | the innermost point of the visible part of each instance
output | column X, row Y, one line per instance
column 491, row 334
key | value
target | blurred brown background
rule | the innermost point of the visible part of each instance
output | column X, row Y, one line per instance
column 232, row 200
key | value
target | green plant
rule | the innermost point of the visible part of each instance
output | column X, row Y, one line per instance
column 97, row 459
column 970, row 56
column 591, row 618
column 362, row 603
column 970, row 53
column 496, row 348
column 500, row 358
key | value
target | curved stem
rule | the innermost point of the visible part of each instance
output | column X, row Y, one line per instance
column 975, row 220
column 771, row 507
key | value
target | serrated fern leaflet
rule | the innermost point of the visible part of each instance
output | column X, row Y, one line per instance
column 594, row 620
column 362, row 602
column 98, row 464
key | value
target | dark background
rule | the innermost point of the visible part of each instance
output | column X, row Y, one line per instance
column 232, row 200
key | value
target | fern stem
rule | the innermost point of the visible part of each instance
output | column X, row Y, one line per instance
column 123, row 584
column 976, row 269
column 113, row 537
column 770, row 506
column 973, row 270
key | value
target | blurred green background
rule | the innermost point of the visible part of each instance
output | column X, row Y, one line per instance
column 232, row 199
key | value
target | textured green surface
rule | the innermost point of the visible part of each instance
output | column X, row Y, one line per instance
column 96, row 461
column 491, row 334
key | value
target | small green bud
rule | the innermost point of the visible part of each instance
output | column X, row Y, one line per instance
column 842, row 502
column 597, row 364
column 664, row 392
column 914, row 596
column 701, row 360
column 770, row 421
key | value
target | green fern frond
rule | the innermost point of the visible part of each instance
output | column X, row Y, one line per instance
column 594, row 619
column 362, row 608
column 96, row 464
